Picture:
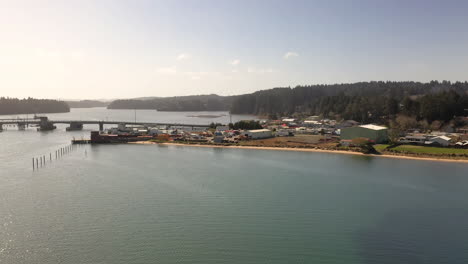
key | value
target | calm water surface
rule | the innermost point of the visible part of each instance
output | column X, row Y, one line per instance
column 169, row 204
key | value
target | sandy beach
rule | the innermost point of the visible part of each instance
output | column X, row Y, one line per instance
column 304, row 150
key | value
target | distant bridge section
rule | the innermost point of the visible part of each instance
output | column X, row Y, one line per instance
column 43, row 123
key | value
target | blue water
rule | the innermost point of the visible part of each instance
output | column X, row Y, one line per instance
column 171, row 204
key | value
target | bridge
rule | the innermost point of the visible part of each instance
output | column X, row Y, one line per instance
column 44, row 123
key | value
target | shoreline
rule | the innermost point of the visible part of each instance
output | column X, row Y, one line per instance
column 303, row 150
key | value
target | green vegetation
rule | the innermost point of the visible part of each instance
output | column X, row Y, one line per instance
column 214, row 125
column 365, row 145
column 364, row 102
column 246, row 124
column 381, row 147
column 14, row 106
column 424, row 105
column 428, row 150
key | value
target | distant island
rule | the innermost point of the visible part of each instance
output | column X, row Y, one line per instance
column 195, row 103
column 87, row 104
column 14, row 106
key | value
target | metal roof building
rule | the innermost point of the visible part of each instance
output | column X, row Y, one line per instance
column 378, row 134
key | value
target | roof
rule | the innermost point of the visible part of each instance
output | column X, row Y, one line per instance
column 350, row 121
column 373, row 127
column 259, row 130
column 443, row 137
column 288, row 120
column 415, row 137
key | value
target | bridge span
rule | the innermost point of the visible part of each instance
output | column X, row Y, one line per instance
column 44, row 123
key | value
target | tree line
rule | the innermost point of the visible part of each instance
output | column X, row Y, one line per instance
column 13, row 106
column 364, row 102
column 243, row 124
column 179, row 103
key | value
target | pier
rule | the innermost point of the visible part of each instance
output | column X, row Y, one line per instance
column 43, row 123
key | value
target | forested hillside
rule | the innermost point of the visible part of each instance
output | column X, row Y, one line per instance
column 87, row 104
column 363, row 102
column 13, row 106
column 179, row 103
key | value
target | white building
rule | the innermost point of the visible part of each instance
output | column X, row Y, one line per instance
column 259, row 133
column 442, row 140
column 312, row 123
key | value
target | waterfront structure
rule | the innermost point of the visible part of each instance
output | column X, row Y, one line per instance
column 377, row 134
column 75, row 126
column 45, row 124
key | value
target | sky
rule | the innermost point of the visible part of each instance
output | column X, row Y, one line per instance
column 98, row 49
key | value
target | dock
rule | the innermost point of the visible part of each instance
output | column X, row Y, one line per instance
column 81, row 141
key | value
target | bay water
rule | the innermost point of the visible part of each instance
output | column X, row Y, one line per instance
column 180, row 204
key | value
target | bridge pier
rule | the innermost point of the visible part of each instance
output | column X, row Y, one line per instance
column 75, row 126
column 45, row 125
column 101, row 126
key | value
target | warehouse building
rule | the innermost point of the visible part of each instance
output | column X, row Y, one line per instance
column 259, row 133
column 377, row 134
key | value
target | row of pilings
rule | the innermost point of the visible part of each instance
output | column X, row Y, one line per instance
column 41, row 161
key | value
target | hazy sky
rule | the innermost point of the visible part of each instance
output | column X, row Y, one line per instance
column 132, row 48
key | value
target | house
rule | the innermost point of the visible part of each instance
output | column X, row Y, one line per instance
column 414, row 139
column 259, row 133
column 312, row 123
column 441, row 140
column 463, row 144
column 288, row 120
column 377, row 134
